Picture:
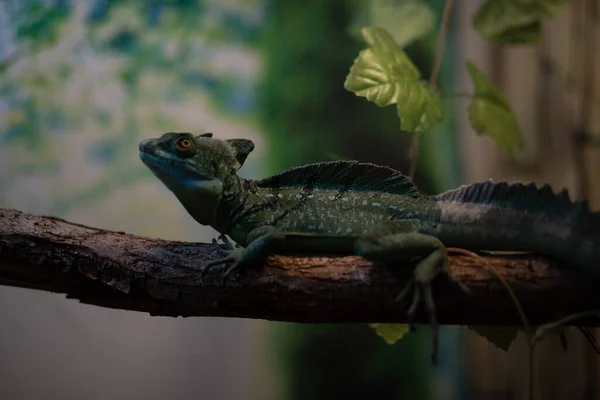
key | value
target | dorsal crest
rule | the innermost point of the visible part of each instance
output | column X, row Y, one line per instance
column 343, row 174
column 517, row 195
column 241, row 148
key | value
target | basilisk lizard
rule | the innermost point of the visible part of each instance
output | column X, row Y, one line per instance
column 371, row 210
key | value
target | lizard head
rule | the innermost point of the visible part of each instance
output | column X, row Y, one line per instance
column 195, row 168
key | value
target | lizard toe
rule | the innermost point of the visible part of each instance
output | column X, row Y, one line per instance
column 412, row 309
column 422, row 293
column 405, row 291
column 231, row 268
column 430, row 307
column 219, row 247
column 223, row 260
column 226, row 242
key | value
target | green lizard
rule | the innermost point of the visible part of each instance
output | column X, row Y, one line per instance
column 371, row 210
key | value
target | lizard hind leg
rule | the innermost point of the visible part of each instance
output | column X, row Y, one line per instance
column 405, row 246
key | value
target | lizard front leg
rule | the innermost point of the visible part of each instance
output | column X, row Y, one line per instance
column 400, row 241
column 261, row 241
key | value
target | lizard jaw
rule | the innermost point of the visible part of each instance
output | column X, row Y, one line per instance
column 163, row 164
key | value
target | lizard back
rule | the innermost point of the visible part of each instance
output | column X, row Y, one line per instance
column 343, row 198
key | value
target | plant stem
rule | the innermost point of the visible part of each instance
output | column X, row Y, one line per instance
column 437, row 61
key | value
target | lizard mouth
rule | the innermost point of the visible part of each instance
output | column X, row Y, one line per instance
column 162, row 163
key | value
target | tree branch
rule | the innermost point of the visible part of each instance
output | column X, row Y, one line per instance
column 117, row 270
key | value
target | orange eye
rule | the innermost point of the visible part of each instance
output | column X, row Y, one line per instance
column 184, row 144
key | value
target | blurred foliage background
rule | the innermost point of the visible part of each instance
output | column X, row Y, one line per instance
column 82, row 82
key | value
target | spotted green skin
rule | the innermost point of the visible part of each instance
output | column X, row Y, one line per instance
column 383, row 219
column 214, row 195
column 322, row 213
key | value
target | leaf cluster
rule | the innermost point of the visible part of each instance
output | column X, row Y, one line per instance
column 385, row 75
column 515, row 22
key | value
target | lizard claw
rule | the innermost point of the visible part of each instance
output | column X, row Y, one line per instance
column 217, row 246
column 226, row 245
column 224, row 260
column 405, row 291
column 227, row 242
column 233, row 266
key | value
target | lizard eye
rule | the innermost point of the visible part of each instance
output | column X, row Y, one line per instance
column 184, row 144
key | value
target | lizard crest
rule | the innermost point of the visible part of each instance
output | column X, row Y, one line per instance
column 528, row 198
column 343, row 175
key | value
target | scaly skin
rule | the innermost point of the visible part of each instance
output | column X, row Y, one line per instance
column 373, row 211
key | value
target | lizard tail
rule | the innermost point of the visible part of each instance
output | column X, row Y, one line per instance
column 502, row 216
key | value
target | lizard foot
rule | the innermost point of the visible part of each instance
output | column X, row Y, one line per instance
column 420, row 284
column 421, row 281
column 422, row 293
column 226, row 245
column 231, row 254
column 262, row 241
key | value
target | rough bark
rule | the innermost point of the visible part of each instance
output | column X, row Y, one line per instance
column 118, row 270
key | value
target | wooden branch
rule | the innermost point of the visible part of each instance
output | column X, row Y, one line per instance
column 117, row 270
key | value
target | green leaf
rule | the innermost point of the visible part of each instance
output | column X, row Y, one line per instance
column 391, row 333
column 491, row 115
column 418, row 107
column 376, row 71
column 502, row 337
column 405, row 22
column 552, row 7
column 527, row 34
column 514, row 21
column 385, row 75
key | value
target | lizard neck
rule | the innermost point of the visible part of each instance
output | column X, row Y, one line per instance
column 216, row 203
column 233, row 203
column 200, row 199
